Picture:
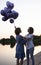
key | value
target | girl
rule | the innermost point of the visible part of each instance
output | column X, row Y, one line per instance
column 30, row 45
column 20, row 46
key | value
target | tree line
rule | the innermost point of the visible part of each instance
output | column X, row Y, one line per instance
column 37, row 40
column 11, row 41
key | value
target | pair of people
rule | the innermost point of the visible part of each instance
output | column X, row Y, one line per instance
column 28, row 40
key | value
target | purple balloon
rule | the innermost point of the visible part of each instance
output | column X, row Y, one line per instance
column 4, row 18
column 11, row 20
column 7, row 10
column 3, row 13
column 9, row 4
column 14, row 14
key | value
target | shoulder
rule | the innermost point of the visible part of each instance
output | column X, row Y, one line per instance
column 21, row 37
column 29, row 36
column 17, row 36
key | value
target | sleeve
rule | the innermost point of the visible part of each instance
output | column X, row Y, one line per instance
column 22, row 40
column 29, row 36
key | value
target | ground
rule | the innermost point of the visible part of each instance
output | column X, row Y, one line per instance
column 37, row 59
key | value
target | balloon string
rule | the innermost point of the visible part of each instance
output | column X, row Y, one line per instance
column 14, row 26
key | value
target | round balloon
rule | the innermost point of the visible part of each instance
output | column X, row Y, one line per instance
column 3, row 13
column 14, row 14
column 4, row 18
column 9, row 4
column 11, row 20
column 7, row 10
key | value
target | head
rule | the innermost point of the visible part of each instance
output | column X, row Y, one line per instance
column 17, row 31
column 30, row 30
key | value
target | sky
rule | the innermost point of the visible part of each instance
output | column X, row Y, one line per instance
column 29, row 15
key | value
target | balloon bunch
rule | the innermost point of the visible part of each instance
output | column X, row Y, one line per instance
column 8, row 13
